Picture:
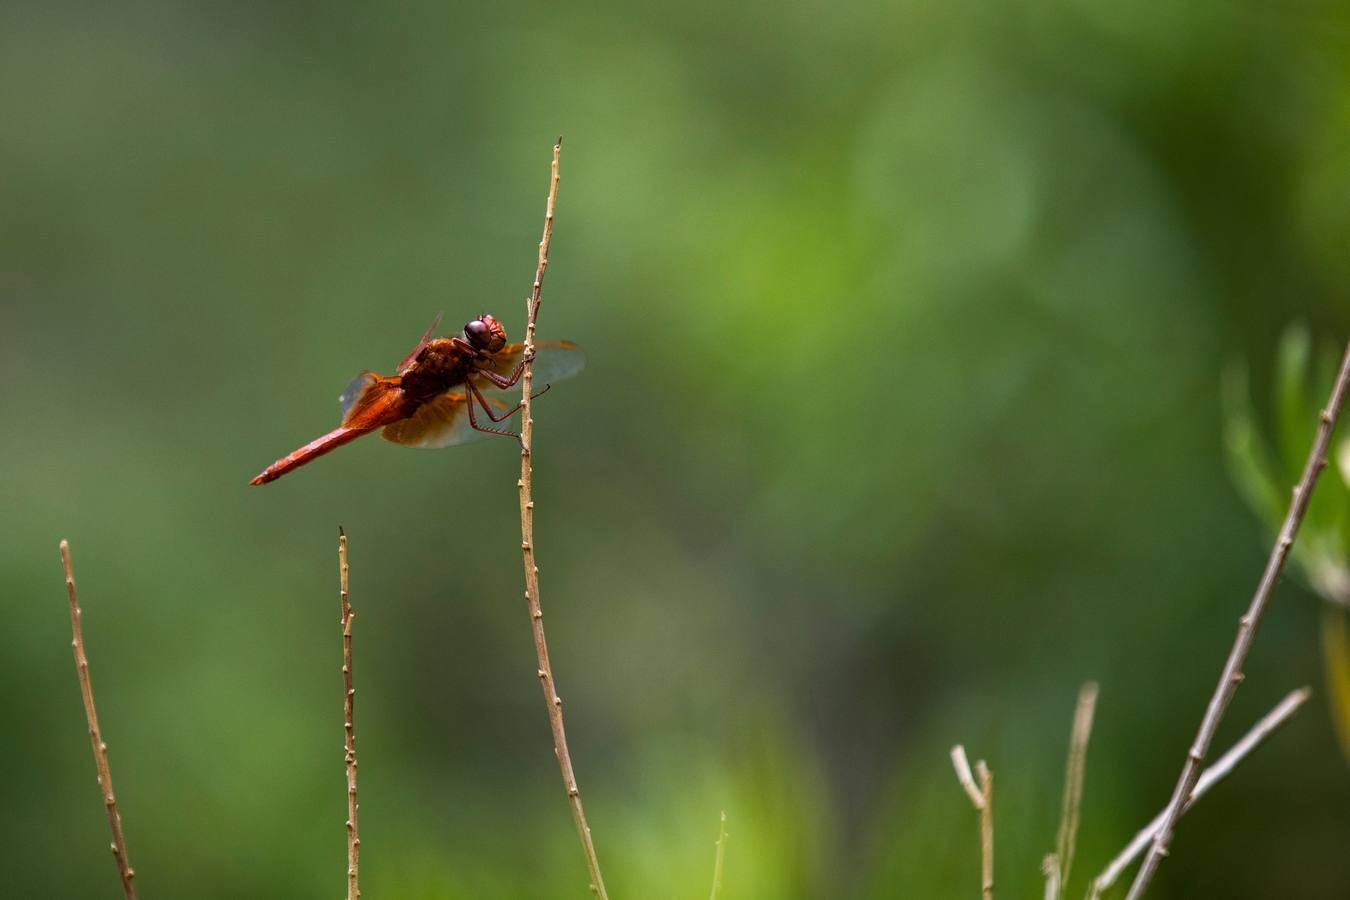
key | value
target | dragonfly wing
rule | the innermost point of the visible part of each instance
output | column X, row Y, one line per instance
column 441, row 422
column 553, row 361
column 416, row 351
column 354, row 390
column 372, row 400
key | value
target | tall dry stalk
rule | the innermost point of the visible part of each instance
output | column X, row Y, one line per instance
column 349, row 722
column 526, row 490
column 119, row 841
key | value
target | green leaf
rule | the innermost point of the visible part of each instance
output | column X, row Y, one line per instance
column 1295, row 417
column 1248, row 458
column 1338, row 479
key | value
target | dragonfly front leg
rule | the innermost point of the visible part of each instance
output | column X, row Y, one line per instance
column 505, row 381
column 502, row 417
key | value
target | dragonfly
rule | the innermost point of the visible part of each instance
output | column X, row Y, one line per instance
column 437, row 393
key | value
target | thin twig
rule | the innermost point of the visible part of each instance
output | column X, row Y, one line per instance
column 119, row 842
column 1073, row 790
column 1215, row 773
column 1232, row 670
column 545, row 671
column 982, row 798
column 717, row 860
column 349, row 722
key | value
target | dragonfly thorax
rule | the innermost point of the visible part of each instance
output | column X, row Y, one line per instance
column 440, row 366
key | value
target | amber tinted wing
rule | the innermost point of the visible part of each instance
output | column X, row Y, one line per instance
column 553, row 361
column 371, row 400
column 441, row 422
column 354, row 390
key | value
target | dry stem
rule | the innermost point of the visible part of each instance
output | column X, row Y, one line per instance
column 1215, row 773
column 545, row 671
column 982, row 798
column 119, row 843
column 1232, row 670
column 717, row 860
column 1058, row 865
column 349, row 722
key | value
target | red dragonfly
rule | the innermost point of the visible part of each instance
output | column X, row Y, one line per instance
column 430, row 400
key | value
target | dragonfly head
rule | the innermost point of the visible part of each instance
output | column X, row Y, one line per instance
column 485, row 333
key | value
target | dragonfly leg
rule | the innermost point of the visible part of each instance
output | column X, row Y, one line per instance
column 473, row 421
column 502, row 417
column 501, row 381
column 506, row 381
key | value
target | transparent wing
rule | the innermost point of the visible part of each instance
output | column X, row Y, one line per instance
column 371, row 400
column 354, row 390
column 416, row 351
column 553, row 361
column 442, row 422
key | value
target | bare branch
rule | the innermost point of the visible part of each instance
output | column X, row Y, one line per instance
column 1225, row 764
column 349, row 723
column 1231, row 676
column 717, row 861
column 1073, row 787
column 526, row 491
column 119, row 842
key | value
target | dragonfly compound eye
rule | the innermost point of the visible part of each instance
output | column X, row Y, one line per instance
column 486, row 333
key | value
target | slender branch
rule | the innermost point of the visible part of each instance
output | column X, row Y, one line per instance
column 982, row 798
column 1073, row 790
column 119, row 842
column 525, row 486
column 349, row 722
column 717, row 860
column 1263, row 729
column 1232, row 670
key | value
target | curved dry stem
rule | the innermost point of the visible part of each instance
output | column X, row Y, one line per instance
column 1232, row 676
column 119, row 841
column 526, row 491
column 981, row 796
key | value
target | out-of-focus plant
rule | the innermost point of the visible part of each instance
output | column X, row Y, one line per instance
column 1265, row 469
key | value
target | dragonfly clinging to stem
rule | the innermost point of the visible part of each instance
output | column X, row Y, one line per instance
column 430, row 399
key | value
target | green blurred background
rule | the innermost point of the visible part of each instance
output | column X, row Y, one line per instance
column 905, row 328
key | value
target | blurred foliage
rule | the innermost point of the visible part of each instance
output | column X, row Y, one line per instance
column 1322, row 550
column 905, row 326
